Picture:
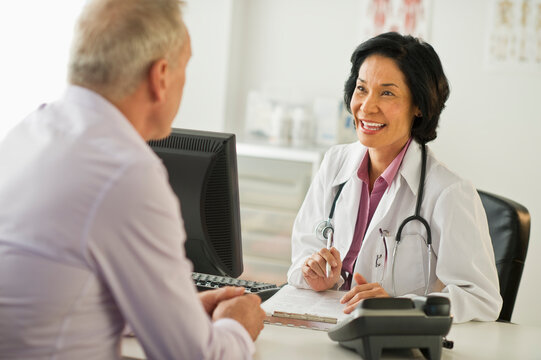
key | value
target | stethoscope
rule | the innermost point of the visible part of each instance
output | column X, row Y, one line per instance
column 325, row 228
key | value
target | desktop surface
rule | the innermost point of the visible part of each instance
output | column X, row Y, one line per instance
column 472, row 340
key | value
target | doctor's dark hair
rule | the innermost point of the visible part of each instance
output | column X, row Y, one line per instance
column 424, row 75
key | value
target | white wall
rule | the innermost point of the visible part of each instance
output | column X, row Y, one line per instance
column 203, row 103
column 35, row 37
column 294, row 50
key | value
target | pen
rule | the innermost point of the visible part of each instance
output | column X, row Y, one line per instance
column 329, row 245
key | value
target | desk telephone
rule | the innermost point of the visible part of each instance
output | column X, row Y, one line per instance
column 380, row 323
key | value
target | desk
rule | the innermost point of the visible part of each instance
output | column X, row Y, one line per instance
column 473, row 340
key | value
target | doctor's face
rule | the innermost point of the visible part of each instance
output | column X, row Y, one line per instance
column 382, row 106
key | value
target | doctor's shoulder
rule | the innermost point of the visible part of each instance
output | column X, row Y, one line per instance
column 340, row 155
column 440, row 179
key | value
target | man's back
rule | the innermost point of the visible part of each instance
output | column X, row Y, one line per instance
column 92, row 239
column 56, row 165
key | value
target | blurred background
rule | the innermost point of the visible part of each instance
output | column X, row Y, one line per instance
column 272, row 72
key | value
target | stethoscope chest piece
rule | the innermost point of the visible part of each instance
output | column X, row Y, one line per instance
column 324, row 229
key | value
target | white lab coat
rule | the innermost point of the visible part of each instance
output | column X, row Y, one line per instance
column 463, row 266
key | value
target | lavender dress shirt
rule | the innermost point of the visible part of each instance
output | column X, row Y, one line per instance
column 91, row 238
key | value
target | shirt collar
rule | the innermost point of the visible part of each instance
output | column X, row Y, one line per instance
column 109, row 112
column 391, row 170
column 91, row 99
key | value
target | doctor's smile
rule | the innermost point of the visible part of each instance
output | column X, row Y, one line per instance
column 371, row 127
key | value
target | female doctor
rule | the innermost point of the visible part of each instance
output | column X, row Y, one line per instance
column 379, row 188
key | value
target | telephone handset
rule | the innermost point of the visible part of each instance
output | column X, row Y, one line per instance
column 380, row 323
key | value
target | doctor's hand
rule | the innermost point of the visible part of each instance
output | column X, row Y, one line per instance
column 363, row 290
column 211, row 298
column 314, row 269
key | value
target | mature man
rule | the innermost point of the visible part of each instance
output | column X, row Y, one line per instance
column 90, row 231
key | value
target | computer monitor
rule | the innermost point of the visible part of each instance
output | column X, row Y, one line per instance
column 202, row 169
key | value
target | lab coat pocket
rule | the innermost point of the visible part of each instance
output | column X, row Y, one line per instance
column 409, row 275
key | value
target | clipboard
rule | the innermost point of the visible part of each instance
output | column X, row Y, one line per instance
column 305, row 308
column 300, row 323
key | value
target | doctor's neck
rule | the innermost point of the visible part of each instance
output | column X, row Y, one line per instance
column 374, row 172
column 380, row 158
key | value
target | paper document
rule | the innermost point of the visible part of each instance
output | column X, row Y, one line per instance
column 310, row 306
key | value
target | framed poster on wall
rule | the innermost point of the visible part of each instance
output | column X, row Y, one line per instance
column 514, row 34
column 404, row 16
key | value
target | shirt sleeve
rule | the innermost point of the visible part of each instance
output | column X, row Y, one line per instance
column 465, row 264
column 136, row 245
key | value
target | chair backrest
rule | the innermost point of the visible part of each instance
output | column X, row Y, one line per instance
column 509, row 226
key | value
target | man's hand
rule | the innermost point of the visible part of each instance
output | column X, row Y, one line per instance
column 363, row 290
column 246, row 310
column 314, row 269
column 211, row 298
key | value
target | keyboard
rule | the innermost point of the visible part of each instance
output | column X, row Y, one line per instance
column 207, row 282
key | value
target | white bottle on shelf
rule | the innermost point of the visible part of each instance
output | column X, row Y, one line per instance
column 301, row 132
column 280, row 133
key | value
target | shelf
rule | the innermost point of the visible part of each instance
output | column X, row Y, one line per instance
column 312, row 155
column 270, row 246
column 267, row 220
column 273, row 181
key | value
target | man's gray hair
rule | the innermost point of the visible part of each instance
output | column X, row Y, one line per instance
column 116, row 41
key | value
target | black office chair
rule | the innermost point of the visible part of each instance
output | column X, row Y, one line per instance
column 509, row 227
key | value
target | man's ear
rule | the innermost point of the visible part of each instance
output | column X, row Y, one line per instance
column 157, row 80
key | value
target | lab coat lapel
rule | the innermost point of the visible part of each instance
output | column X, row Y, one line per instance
column 386, row 203
column 347, row 206
column 406, row 178
column 346, row 215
